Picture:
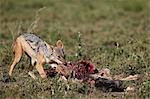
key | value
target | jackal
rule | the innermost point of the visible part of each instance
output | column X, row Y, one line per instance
column 39, row 52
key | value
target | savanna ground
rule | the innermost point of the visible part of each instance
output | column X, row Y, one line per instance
column 114, row 34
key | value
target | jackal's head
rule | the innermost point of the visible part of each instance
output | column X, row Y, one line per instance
column 58, row 51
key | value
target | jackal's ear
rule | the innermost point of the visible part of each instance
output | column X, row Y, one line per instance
column 60, row 44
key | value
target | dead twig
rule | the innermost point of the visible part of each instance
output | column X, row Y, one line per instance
column 34, row 24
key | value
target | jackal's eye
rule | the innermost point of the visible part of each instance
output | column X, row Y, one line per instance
column 59, row 57
column 52, row 54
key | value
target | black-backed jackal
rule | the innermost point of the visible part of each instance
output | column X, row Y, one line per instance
column 38, row 50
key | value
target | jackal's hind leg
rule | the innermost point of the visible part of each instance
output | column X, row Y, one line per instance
column 18, row 53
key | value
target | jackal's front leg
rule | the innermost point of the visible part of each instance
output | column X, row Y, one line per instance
column 39, row 65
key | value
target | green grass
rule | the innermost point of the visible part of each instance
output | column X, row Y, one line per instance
column 114, row 34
